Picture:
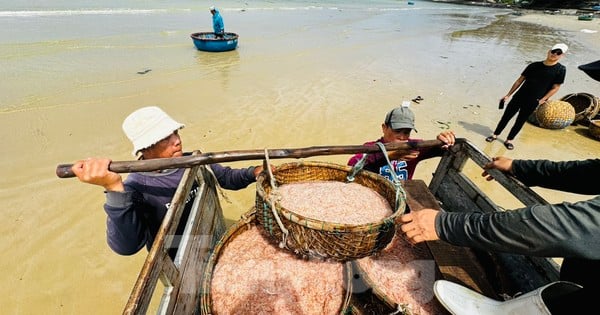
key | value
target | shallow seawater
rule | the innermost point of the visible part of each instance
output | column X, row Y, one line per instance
column 305, row 73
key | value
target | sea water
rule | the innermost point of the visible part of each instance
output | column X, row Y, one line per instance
column 57, row 51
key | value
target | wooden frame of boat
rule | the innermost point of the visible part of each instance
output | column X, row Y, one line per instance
column 492, row 274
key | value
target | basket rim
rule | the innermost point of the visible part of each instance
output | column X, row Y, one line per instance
column 332, row 226
column 248, row 220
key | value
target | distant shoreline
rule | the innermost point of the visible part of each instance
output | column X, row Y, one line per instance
column 482, row 3
column 558, row 10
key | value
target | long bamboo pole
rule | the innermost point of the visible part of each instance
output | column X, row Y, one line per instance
column 65, row 170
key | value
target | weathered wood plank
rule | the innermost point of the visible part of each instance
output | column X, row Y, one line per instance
column 207, row 228
column 181, row 274
column 153, row 265
column 457, row 264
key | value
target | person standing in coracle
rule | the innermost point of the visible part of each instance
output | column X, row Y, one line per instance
column 537, row 83
column 218, row 27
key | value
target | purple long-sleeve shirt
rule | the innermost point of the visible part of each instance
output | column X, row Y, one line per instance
column 404, row 169
column 135, row 215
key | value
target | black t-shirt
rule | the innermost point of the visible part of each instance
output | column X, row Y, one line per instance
column 539, row 79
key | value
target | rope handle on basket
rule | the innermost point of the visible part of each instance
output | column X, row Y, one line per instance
column 399, row 190
column 356, row 168
column 271, row 200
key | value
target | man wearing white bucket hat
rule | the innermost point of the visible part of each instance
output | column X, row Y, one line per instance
column 137, row 205
column 567, row 230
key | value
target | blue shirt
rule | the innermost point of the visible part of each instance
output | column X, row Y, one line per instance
column 218, row 26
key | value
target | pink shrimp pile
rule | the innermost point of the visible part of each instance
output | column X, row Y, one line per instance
column 254, row 277
column 335, row 202
column 404, row 274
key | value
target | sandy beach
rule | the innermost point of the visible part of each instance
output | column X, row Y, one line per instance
column 301, row 76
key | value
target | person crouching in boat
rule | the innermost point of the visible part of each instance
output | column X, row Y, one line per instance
column 136, row 206
column 218, row 27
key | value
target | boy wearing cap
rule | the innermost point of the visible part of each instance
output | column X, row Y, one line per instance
column 537, row 83
column 397, row 126
column 218, row 27
column 136, row 206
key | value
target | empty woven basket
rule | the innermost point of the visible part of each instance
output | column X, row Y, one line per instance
column 594, row 128
column 555, row 114
column 585, row 105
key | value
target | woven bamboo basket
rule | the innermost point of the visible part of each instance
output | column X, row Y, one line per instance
column 594, row 128
column 314, row 238
column 532, row 119
column 585, row 105
column 555, row 114
column 248, row 221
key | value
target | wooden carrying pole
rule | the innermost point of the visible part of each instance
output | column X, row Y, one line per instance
column 65, row 170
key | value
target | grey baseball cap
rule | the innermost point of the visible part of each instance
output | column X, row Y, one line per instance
column 400, row 118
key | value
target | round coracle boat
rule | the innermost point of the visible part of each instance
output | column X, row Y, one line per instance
column 207, row 41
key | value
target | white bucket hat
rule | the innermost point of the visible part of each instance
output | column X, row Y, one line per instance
column 147, row 126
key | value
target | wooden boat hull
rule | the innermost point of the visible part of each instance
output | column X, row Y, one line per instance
column 206, row 41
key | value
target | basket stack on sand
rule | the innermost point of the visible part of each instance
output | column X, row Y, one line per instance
column 246, row 274
column 594, row 128
column 585, row 105
column 319, row 220
column 555, row 114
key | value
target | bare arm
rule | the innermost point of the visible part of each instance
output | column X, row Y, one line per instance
column 548, row 95
column 514, row 87
column 447, row 137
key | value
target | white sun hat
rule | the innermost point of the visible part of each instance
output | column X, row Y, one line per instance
column 561, row 46
column 147, row 126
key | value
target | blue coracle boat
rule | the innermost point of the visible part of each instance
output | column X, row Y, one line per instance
column 206, row 41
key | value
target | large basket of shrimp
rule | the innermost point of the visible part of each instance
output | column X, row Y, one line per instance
column 399, row 280
column 247, row 274
column 326, row 210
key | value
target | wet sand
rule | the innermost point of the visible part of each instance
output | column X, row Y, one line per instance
column 323, row 83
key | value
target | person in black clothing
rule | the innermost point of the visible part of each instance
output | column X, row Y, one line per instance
column 567, row 230
column 537, row 83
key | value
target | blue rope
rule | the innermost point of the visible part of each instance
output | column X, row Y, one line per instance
column 399, row 190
